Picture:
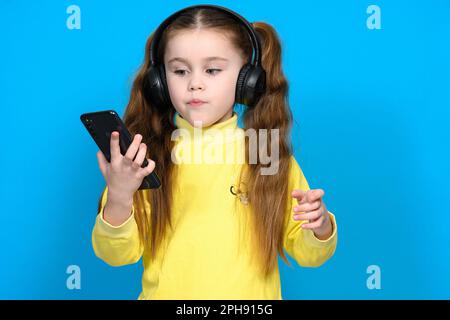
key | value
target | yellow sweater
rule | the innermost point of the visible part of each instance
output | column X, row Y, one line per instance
column 206, row 256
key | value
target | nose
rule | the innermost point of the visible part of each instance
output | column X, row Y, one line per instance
column 196, row 87
column 196, row 84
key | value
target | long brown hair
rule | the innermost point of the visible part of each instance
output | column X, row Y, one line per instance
column 267, row 194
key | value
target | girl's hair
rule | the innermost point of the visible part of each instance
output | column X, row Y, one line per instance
column 267, row 194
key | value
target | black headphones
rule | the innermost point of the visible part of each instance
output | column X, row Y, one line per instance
column 251, row 82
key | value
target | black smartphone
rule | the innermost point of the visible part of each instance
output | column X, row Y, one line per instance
column 100, row 125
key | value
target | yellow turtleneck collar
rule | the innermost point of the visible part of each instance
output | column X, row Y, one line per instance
column 229, row 124
column 220, row 142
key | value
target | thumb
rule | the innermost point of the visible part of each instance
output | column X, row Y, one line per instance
column 314, row 194
column 300, row 195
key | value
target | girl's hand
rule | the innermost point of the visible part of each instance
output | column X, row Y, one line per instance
column 124, row 175
column 311, row 207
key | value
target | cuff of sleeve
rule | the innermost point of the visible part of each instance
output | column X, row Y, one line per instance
column 311, row 238
column 124, row 229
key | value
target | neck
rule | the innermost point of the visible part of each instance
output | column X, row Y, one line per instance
column 227, row 121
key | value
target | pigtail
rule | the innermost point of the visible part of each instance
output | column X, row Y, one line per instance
column 268, row 193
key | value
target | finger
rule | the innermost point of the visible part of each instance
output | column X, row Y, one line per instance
column 314, row 194
column 114, row 146
column 306, row 207
column 149, row 168
column 314, row 225
column 299, row 195
column 140, row 156
column 133, row 148
column 102, row 162
column 311, row 216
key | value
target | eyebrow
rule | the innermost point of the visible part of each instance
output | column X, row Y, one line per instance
column 205, row 59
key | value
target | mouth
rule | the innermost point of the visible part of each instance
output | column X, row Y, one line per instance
column 196, row 103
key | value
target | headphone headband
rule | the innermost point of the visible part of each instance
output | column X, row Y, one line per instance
column 251, row 31
column 251, row 81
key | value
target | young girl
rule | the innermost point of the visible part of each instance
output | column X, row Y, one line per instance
column 213, row 230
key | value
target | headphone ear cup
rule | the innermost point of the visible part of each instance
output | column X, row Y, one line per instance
column 155, row 87
column 251, row 85
column 255, row 85
column 166, row 102
column 240, row 87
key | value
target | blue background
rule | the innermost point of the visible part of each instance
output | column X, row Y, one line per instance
column 371, row 112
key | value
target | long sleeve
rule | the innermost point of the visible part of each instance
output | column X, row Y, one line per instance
column 116, row 245
column 302, row 244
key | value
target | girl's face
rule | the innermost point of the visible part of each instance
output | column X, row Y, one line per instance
column 202, row 64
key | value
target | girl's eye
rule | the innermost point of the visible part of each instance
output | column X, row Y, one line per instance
column 178, row 72
column 182, row 72
column 214, row 70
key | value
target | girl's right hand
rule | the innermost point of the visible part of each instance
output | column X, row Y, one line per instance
column 123, row 175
